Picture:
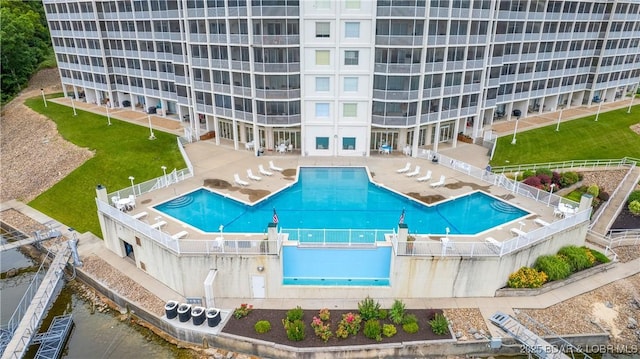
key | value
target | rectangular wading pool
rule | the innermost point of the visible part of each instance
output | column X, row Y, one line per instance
column 336, row 266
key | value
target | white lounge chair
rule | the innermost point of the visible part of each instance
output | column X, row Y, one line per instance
column 439, row 183
column 263, row 171
column 273, row 167
column 238, row 181
column 132, row 201
column 252, row 176
column 493, row 242
column 180, row 235
column 140, row 215
column 405, row 169
column 541, row 222
column 158, row 225
column 415, row 172
column 425, row 177
column 518, row 232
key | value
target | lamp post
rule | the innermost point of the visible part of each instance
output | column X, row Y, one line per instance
column 151, row 135
column 633, row 95
column 559, row 119
column 108, row 115
column 515, row 131
column 73, row 106
column 598, row 112
column 515, row 182
column 133, row 189
column 164, row 171
column 44, row 99
column 550, row 193
column 447, row 230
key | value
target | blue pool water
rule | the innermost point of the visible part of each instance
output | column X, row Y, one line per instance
column 340, row 198
column 336, row 267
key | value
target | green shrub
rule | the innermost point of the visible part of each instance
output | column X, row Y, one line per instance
column 373, row 330
column 554, row 267
column 368, row 309
column 634, row 207
column 634, row 196
column 544, row 171
column 295, row 314
column 396, row 313
column 439, row 324
column 383, row 314
column 528, row 173
column 295, row 329
column 242, row 311
column 599, row 256
column 409, row 318
column 568, row 178
column 389, row 330
column 349, row 325
column 411, row 328
column 593, row 190
column 262, row 326
column 527, row 277
column 603, row 196
column 576, row 257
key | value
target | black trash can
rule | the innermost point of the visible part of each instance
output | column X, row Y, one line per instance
column 171, row 309
column 198, row 315
column 213, row 317
column 184, row 312
column 517, row 113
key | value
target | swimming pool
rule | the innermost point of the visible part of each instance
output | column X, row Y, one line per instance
column 336, row 266
column 340, row 198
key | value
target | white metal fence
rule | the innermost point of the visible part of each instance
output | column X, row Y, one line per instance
column 333, row 237
column 584, row 164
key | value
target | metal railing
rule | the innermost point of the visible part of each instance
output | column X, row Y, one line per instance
column 336, row 237
column 427, row 247
column 593, row 164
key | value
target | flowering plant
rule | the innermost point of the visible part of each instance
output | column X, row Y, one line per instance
column 324, row 314
column 242, row 311
column 321, row 329
column 349, row 325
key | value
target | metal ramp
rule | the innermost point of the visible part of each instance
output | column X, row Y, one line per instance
column 52, row 341
column 532, row 343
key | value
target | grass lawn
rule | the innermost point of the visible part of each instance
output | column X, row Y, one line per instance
column 120, row 150
column 580, row 139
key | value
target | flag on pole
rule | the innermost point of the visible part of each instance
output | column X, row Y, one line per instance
column 401, row 217
column 275, row 217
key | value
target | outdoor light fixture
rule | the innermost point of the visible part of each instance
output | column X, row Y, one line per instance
column 108, row 115
column 133, row 189
column 260, row 268
column 151, row 135
column 43, row 98
column 73, row 105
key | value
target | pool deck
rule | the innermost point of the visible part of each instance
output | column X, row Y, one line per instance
column 214, row 162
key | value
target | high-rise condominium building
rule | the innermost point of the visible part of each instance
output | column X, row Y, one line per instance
column 344, row 77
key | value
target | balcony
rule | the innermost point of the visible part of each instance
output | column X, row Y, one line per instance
column 277, row 67
column 275, row 10
column 399, row 40
column 403, row 121
column 395, row 95
column 278, row 94
column 279, row 119
column 276, row 40
column 401, row 11
column 402, row 68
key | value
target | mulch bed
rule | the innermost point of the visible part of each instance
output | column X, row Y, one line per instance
column 626, row 220
column 244, row 327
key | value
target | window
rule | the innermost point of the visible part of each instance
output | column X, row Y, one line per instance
column 350, row 84
column 322, row 57
column 350, row 110
column 322, row 84
column 323, row 29
column 352, row 4
column 351, row 57
column 322, row 110
column 348, row 143
column 352, row 30
column 322, row 143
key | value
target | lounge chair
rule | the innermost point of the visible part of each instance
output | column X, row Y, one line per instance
column 273, row 167
column 518, row 232
column 180, row 235
column 158, row 225
column 405, row 169
column 541, row 222
column 415, row 172
column 140, row 215
column 439, row 183
column 238, row 181
column 252, row 176
column 132, row 201
column 493, row 242
column 263, row 171
column 425, row 177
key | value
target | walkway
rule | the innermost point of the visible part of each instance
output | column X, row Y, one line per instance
column 615, row 202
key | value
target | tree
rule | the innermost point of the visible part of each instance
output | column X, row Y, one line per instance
column 25, row 42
